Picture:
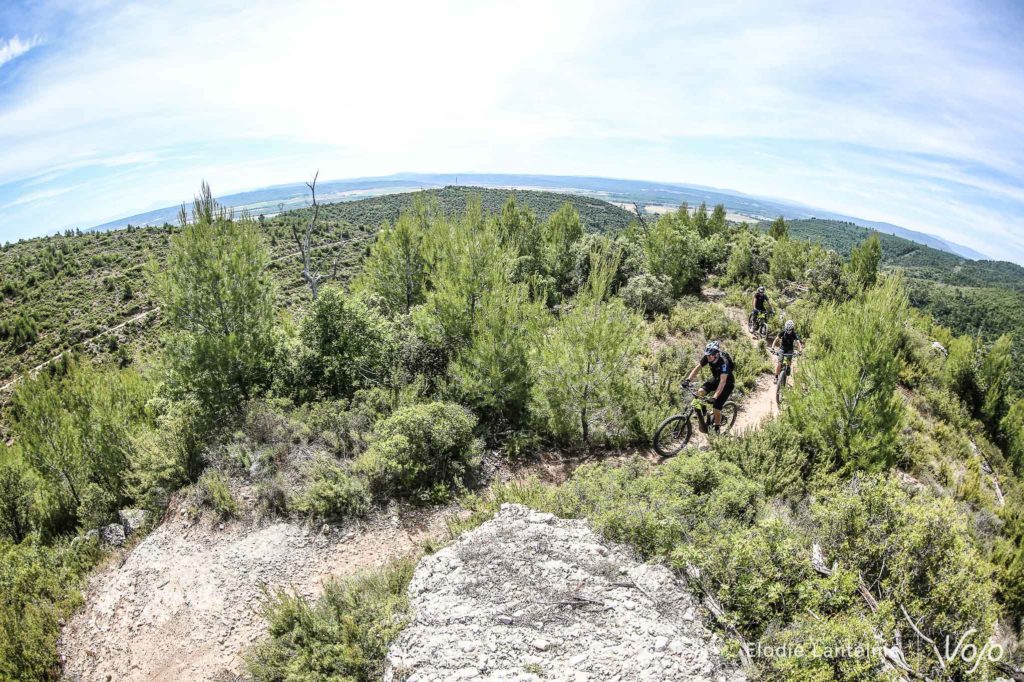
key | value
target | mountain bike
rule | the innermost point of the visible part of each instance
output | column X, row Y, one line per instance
column 787, row 369
column 758, row 323
column 674, row 433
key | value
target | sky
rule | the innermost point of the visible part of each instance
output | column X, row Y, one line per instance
column 905, row 112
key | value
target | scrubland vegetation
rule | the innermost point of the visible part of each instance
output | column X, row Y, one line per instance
column 883, row 507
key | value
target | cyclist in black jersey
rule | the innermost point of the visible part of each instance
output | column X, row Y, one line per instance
column 787, row 341
column 762, row 306
column 723, row 378
column 761, row 302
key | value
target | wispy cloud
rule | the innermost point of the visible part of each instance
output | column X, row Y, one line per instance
column 15, row 47
column 906, row 112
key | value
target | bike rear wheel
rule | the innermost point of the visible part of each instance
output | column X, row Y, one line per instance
column 672, row 435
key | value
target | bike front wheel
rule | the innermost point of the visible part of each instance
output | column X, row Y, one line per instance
column 783, row 378
column 672, row 435
column 729, row 412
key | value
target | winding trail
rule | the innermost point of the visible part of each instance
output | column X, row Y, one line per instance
column 135, row 318
column 760, row 403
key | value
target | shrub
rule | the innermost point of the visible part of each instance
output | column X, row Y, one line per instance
column 343, row 635
column 582, row 387
column 345, row 345
column 212, row 491
column 749, row 362
column 921, row 554
column 332, row 493
column 421, row 451
column 17, row 490
column 771, row 455
column 647, row 294
column 272, row 497
column 707, row 319
column 846, row 405
column 38, row 588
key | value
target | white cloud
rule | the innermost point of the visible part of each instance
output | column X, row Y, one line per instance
column 907, row 94
column 15, row 47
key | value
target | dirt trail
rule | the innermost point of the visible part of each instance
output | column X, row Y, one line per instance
column 135, row 318
column 760, row 403
column 184, row 603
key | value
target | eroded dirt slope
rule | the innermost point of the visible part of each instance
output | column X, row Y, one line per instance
column 184, row 603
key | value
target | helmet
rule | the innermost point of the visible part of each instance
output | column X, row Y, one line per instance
column 790, row 325
column 760, row 290
column 712, row 348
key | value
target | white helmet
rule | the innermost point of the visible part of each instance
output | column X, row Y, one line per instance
column 790, row 325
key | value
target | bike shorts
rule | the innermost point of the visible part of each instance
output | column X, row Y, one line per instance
column 712, row 385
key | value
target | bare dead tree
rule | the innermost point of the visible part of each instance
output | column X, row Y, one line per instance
column 640, row 215
column 313, row 279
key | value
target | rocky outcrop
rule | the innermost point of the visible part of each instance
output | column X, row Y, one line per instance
column 528, row 596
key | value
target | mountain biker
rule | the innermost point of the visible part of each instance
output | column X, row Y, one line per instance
column 761, row 303
column 786, row 341
column 722, row 381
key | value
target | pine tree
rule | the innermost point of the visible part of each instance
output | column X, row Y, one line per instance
column 396, row 271
column 846, row 405
column 560, row 232
column 718, row 221
column 582, row 369
column 74, row 429
column 466, row 260
column 994, row 380
column 864, row 262
column 671, row 251
column 700, row 221
column 779, row 230
column 218, row 299
column 493, row 373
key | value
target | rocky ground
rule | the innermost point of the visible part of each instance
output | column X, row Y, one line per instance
column 528, row 596
column 184, row 603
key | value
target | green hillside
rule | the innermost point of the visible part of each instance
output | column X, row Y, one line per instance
column 982, row 298
column 63, row 292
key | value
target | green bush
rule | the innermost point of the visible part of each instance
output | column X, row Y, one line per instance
column 749, row 362
column 647, row 294
column 770, row 455
column 421, row 451
column 38, row 588
column 345, row 345
column 922, row 555
column 212, row 491
column 332, row 493
column 709, row 320
column 17, row 493
column 846, row 406
column 344, row 635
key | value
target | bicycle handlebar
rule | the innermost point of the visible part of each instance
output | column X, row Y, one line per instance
column 689, row 387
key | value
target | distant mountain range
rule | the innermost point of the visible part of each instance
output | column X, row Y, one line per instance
column 277, row 198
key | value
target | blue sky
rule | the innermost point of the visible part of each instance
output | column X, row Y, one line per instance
column 907, row 112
